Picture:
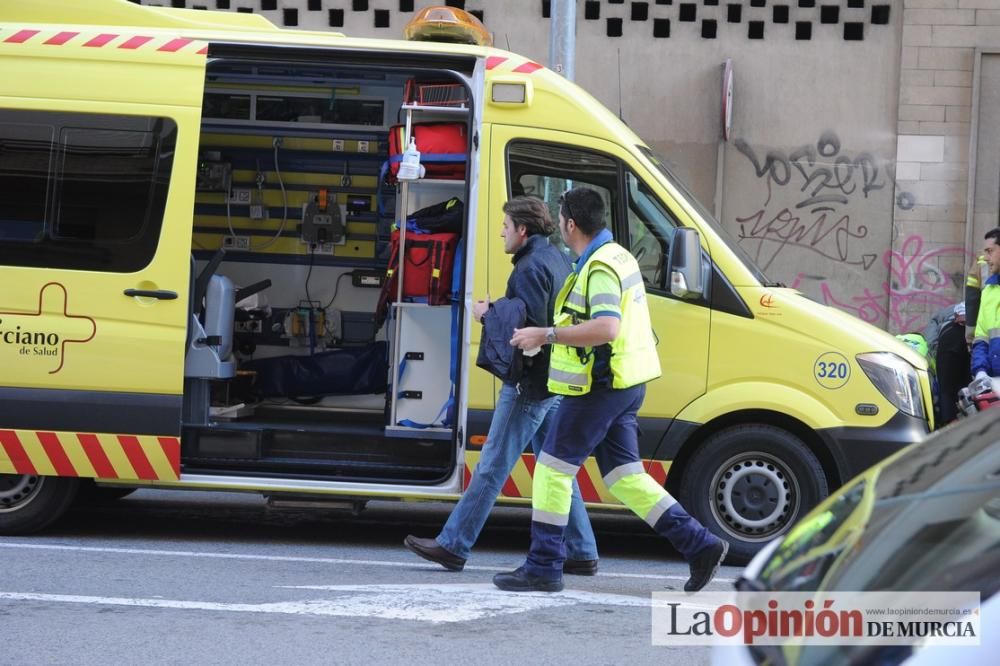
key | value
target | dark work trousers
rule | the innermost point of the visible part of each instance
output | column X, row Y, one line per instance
column 604, row 422
column 953, row 370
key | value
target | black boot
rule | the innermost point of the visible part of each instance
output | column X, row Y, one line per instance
column 520, row 580
column 705, row 564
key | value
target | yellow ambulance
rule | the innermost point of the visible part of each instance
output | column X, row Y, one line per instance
column 196, row 226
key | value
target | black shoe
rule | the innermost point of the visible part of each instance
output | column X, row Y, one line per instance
column 580, row 567
column 520, row 580
column 705, row 565
column 429, row 549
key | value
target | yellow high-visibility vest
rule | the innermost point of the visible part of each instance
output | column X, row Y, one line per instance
column 633, row 353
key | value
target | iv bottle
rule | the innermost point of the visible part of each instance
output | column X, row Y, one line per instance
column 409, row 169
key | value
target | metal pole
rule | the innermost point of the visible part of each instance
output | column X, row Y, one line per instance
column 562, row 38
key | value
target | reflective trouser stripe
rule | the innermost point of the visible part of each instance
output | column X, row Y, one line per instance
column 550, row 460
column 622, row 470
column 551, row 494
column 642, row 494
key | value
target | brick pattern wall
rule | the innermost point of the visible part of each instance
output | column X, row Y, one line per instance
column 932, row 159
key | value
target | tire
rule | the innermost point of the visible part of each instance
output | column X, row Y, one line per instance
column 751, row 483
column 32, row 503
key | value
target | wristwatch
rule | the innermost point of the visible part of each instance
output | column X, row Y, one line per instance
column 550, row 335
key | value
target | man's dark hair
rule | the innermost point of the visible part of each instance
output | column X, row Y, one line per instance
column 993, row 233
column 586, row 207
column 530, row 213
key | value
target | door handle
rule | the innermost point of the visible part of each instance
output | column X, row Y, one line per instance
column 161, row 294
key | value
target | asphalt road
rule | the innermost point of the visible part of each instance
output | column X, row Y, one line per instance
column 207, row 578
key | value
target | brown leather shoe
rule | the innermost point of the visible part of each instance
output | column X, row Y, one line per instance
column 430, row 549
column 580, row 567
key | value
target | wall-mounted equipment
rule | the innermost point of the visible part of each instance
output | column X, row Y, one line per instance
column 214, row 175
column 322, row 220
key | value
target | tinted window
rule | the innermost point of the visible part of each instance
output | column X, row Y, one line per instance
column 546, row 171
column 82, row 191
column 650, row 228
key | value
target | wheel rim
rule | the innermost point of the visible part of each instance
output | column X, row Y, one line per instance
column 754, row 496
column 18, row 490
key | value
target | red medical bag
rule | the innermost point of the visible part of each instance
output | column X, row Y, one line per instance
column 430, row 260
column 442, row 149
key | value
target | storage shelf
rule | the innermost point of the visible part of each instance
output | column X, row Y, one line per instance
column 450, row 110
column 418, row 433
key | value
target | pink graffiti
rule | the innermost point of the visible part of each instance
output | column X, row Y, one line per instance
column 916, row 281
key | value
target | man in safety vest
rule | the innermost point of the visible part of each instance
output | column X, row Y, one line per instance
column 603, row 353
column 986, row 344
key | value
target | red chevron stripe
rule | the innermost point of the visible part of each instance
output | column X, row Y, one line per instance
column 11, row 444
column 136, row 456
column 528, row 68
column 529, row 462
column 21, row 36
column 98, row 458
column 468, row 477
column 61, row 38
column 134, row 42
column 172, row 449
column 587, row 489
column 657, row 471
column 203, row 51
column 175, row 44
column 510, row 488
column 101, row 40
column 57, row 456
column 495, row 61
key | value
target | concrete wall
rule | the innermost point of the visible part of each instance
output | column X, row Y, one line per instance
column 847, row 171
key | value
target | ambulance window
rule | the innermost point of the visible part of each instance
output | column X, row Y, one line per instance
column 82, row 191
column 650, row 228
column 546, row 171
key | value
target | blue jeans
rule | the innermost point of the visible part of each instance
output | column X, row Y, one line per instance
column 516, row 421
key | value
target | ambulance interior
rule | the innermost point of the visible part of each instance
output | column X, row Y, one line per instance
column 290, row 364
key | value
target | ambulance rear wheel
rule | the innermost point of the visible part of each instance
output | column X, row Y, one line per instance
column 31, row 503
column 749, row 484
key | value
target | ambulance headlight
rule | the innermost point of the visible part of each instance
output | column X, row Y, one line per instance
column 895, row 379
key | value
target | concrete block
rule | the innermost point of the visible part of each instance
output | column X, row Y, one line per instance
column 938, row 192
column 918, row 35
column 943, row 171
column 919, row 149
column 928, row 95
column 952, row 77
column 917, row 77
column 977, row 35
column 977, row 4
column 908, row 171
column 988, row 17
column 946, row 213
column 958, row 114
column 956, row 149
column 948, row 233
column 933, row 4
column 945, row 129
column 919, row 112
column 939, row 17
column 945, row 58
column 915, row 214
column 910, row 57
column 908, row 127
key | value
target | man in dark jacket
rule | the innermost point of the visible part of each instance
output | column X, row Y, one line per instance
column 524, row 409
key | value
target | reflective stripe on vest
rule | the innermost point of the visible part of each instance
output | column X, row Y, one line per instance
column 633, row 353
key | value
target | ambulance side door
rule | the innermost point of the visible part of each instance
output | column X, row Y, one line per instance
column 98, row 153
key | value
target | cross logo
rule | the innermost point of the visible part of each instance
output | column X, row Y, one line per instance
column 44, row 334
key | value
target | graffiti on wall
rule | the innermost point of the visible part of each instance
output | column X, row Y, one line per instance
column 916, row 285
column 821, row 220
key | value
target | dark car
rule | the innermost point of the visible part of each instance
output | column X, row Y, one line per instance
column 925, row 519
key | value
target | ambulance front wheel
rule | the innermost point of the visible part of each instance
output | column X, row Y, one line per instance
column 31, row 503
column 749, row 484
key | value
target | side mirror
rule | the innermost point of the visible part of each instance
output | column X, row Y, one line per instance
column 684, row 264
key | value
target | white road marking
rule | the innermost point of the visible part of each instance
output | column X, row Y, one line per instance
column 424, row 603
column 320, row 560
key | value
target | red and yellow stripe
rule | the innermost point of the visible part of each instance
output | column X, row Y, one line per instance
column 104, row 40
column 592, row 488
column 90, row 455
